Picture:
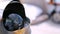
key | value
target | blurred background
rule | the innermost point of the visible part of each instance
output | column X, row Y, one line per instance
column 36, row 11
